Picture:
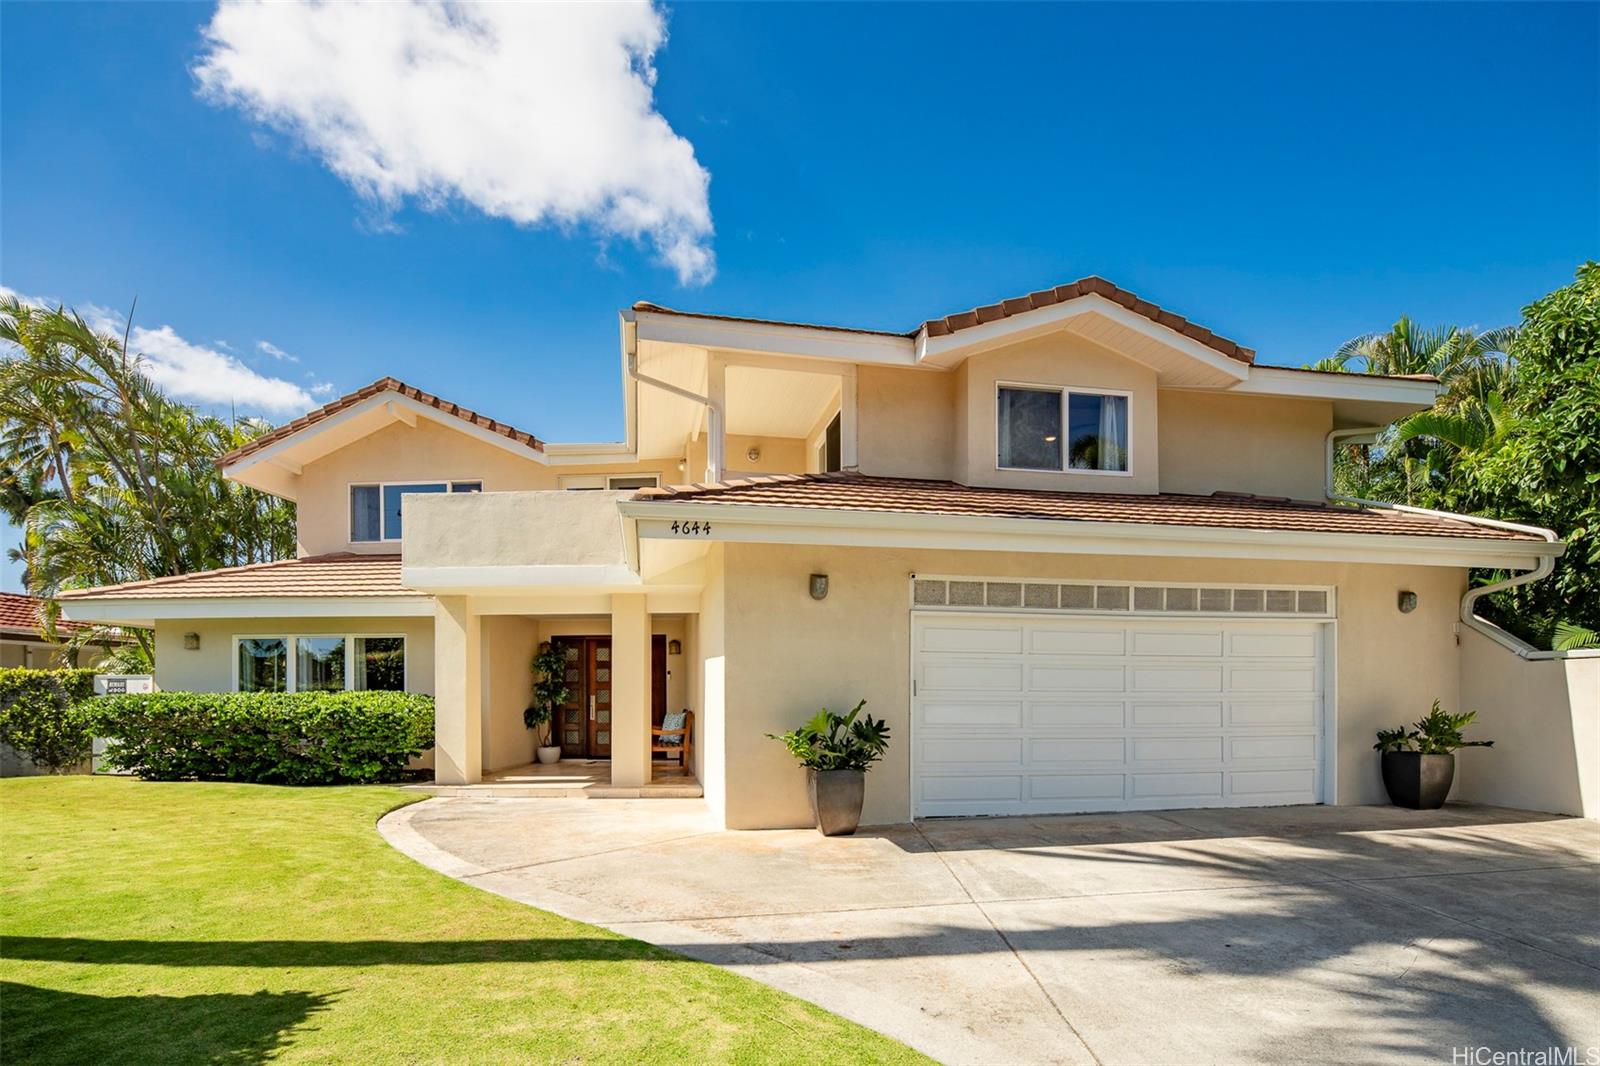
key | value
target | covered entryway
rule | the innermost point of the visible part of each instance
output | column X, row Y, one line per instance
column 1030, row 714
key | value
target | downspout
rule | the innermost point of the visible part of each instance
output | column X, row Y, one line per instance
column 717, row 444
column 1469, row 618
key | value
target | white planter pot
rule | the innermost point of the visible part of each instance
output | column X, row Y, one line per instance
column 550, row 754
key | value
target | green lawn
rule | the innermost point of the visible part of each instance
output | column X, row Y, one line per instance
column 145, row 922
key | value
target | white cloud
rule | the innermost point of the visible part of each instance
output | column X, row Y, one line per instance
column 536, row 113
column 194, row 372
column 268, row 348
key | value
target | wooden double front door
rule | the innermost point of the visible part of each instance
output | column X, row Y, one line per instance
column 586, row 716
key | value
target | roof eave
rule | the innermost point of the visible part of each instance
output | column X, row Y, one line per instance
column 756, row 523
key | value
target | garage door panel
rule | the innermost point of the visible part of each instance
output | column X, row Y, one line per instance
column 1056, row 641
column 1076, row 750
column 1176, row 714
column 1261, row 645
column 1178, row 786
column 1177, row 749
column 1084, row 678
column 980, row 750
column 1254, row 678
column 1075, row 715
column 1273, row 712
column 1075, row 787
column 1302, row 748
column 973, row 716
column 952, row 676
column 973, row 640
column 1166, row 642
column 972, row 788
column 1267, row 783
column 1175, row 678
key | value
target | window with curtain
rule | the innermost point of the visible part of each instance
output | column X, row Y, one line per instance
column 1097, row 432
column 1029, row 422
column 319, row 664
column 264, row 665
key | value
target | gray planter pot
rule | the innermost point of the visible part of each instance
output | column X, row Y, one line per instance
column 836, row 797
column 1420, row 782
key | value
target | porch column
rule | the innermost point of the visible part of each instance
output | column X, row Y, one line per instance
column 458, row 692
column 630, row 690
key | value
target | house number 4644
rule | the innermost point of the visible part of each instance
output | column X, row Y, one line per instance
column 691, row 529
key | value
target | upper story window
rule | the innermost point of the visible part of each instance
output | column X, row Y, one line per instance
column 375, row 509
column 614, row 482
column 1076, row 430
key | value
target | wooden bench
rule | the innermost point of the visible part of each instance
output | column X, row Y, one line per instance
column 662, row 740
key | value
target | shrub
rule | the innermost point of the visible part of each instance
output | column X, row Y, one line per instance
column 305, row 738
column 37, row 717
column 833, row 741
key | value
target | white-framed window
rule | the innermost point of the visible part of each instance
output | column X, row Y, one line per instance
column 1072, row 430
column 615, row 482
column 319, row 662
column 375, row 507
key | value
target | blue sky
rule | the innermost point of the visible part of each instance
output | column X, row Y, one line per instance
column 1288, row 175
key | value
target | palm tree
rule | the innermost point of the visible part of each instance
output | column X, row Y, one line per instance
column 1467, row 362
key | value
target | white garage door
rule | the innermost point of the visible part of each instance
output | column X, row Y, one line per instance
column 1029, row 715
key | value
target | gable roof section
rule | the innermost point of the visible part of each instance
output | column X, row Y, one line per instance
column 377, row 388
column 1033, row 301
column 337, row 574
column 858, row 492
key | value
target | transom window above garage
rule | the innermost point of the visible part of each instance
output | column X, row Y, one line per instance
column 1046, row 427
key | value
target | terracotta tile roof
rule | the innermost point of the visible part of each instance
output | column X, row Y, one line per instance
column 380, row 386
column 20, row 614
column 340, row 574
column 859, row 492
column 1033, row 301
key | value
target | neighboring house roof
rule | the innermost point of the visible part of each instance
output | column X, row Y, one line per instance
column 338, row 574
column 859, row 492
column 20, row 615
column 382, row 385
column 1033, row 301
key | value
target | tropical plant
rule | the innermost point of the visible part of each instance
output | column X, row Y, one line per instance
column 1436, row 733
column 832, row 741
column 550, row 690
column 1515, row 436
column 38, row 716
column 109, row 479
column 289, row 738
column 1570, row 637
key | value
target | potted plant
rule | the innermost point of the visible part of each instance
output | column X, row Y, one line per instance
column 550, row 691
column 836, row 750
column 1419, row 765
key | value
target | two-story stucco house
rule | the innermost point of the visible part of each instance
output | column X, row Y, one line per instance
column 1076, row 549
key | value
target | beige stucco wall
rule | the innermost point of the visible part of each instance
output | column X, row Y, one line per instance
column 1065, row 361
column 1544, row 719
column 906, row 422
column 1261, row 444
column 779, row 455
column 210, row 669
column 427, row 451
column 508, row 645
column 711, row 749
column 786, row 655
column 546, row 528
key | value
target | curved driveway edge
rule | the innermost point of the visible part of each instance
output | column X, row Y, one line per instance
column 1269, row 935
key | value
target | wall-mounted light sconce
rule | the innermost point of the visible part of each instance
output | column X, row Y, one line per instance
column 819, row 586
column 754, row 454
column 1407, row 602
column 674, row 647
column 683, row 464
column 191, row 642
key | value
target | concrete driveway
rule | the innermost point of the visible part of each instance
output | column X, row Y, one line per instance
column 1267, row 935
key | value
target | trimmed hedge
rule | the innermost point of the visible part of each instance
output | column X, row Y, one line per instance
column 37, row 717
column 305, row 738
